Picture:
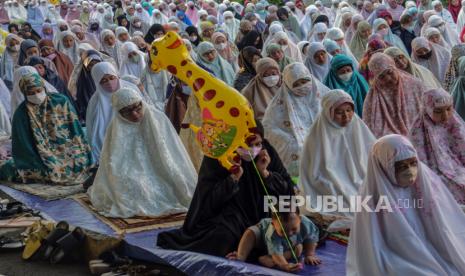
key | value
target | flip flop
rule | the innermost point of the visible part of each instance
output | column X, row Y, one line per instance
column 49, row 242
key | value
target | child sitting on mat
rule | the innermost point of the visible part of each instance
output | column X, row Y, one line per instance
column 301, row 232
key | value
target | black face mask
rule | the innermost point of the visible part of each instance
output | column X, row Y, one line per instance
column 426, row 56
column 94, row 27
column 143, row 50
column 63, row 29
column 192, row 7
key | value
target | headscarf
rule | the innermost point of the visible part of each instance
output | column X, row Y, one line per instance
column 220, row 68
column 229, row 53
column 183, row 18
column 141, row 156
column 17, row 97
column 63, row 64
column 273, row 47
column 450, row 35
column 231, row 29
column 454, row 10
column 375, row 44
column 292, row 50
column 25, row 45
column 73, row 52
column 391, row 109
column 458, row 89
column 192, row 13
column 337, row 34
column 358, row 44
column 429, row 32
column 154, row 29
column 290, row 115
column 9, row 60
column 99, row 111
column 250, row 40
column 193, row 30
column 390, row 38
column 418, row 239
column 318, row 71
column 257, row 93
column 439, row 145
column 291, row 23
column 457, row 52
column 356, row 19
column 439, row 60
column 329, row 146
column 416, row 70
column 129, row 67
column 356, row 87
column 318, row 28
column 115, row 51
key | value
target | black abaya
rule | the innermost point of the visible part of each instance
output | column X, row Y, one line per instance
column 222, row 210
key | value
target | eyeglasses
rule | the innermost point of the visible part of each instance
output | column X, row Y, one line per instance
column 127, row 111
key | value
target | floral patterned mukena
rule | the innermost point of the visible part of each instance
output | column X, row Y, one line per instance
column 441, row 145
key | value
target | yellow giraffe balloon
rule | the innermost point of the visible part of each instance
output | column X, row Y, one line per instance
column 227, row 117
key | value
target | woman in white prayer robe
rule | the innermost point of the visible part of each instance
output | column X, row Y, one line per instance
column 335, row 151
column 145, row 169
column 291, row 113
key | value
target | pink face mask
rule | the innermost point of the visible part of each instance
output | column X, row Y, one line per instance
column 111, row 85
column 244, row 154
column 51, row 56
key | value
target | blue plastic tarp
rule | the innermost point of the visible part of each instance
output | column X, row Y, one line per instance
column 332, row 254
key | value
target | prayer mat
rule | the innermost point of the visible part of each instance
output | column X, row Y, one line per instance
column 47, row 192
column 134, row 224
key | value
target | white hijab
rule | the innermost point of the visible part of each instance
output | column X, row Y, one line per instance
column 438, row 63
column 73, row 52
column 408, row 241
column 158, row 17
column 317, row 70
column 292, row 50
column 115, row 51
column 289, row 115
column 230, row 28
column 337, row 34
column 99, row 112
column 334, row 157
column 127, row 66
column 144, row 169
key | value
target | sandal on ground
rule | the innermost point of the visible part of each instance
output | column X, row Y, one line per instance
column 67, row 245
column 49, row 243
column 34, row 236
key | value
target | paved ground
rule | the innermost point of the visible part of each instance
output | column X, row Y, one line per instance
column 11, row 264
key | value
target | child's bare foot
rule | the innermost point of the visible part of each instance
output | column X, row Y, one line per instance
column 266, row 261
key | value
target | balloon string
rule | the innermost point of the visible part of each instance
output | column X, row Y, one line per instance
column 273, row 210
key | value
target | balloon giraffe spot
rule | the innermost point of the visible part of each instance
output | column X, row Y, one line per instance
column 209, row 94
column 198, row 84
column 189, row 74
column 219, row 104
column 234, row 112
column 183, row 63
column 172, row 69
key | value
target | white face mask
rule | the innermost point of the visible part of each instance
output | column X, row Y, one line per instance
column 346, row 76
column 303, row 89
column 271, row 81
column 228, row 21
column 407, row 177
column 37, row 98
column 220, row 46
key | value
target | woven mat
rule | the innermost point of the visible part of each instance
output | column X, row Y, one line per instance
column 135, row 224
column 47, row 192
